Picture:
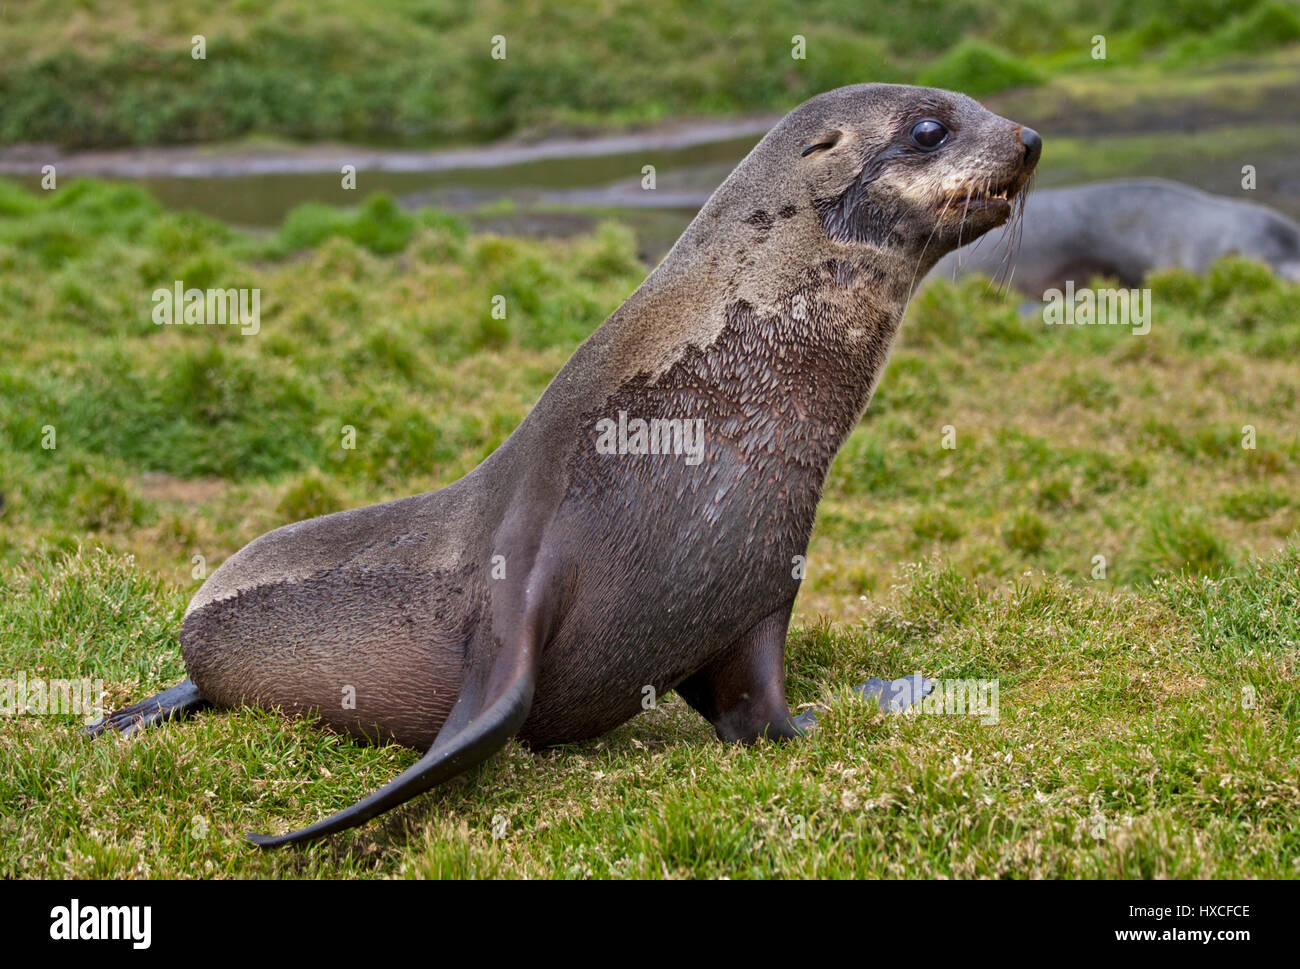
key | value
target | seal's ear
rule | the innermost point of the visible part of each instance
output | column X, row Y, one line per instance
column 826, row 141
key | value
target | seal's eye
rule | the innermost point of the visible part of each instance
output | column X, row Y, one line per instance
column 928, row 134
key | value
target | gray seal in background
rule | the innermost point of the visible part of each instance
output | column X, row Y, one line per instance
column 1125, row 229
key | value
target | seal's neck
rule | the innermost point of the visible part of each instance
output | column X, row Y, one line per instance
column 775, row 348
column 787, row 375
column 814, row 357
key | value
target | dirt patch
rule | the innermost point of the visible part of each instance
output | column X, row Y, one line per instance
column 157, row 486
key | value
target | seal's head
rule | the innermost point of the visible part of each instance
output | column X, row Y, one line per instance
column 822, row 232
column 909, row 172
column 908, row 167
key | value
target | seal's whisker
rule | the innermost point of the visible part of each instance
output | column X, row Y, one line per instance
column 1013, row 236
column 965, row 214
column 921, row 258
column 1019, row 230
column 1009, row 238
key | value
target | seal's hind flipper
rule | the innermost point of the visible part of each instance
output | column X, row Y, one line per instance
column 180, row 701
column 492, row 705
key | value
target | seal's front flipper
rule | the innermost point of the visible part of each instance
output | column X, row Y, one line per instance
column 742, row 692
column 892, row 696
column 181, row 700
column 492, row 705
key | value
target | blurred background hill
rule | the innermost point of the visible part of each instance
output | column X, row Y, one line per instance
column 112, row 73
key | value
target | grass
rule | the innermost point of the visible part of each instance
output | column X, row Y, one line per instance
column 121, row 72
column 1148, row 710
column 1125, row 747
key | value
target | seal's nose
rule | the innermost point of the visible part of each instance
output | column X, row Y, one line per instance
column 1033, row 146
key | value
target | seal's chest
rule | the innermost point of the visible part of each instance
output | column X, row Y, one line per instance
column 629, row 639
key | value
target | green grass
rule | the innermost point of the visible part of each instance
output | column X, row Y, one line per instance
column 1155, row 703
column 121, row 72
column 1124, row 747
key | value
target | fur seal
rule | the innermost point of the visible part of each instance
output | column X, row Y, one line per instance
column 1128, row 228
column 542, row 595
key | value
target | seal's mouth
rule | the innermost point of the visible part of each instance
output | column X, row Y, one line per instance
column 984, row 195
